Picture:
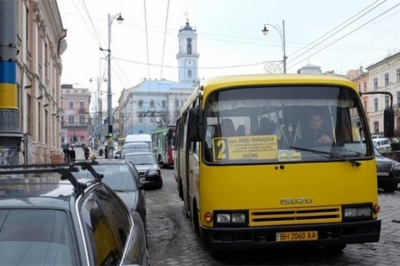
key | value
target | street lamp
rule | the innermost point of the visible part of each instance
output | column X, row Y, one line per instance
column 282, row 34
column 110, row 146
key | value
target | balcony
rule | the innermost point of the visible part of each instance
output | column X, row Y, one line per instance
column 65, row 124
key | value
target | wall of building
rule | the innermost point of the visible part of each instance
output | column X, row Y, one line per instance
column 40, row 43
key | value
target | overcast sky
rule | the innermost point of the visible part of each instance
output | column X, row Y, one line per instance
column 336, row 35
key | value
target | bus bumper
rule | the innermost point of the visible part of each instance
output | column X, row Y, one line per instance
column 228, row 238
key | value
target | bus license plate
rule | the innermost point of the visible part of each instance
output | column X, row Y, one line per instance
column 296, row 236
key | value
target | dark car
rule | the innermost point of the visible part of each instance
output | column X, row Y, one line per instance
column 147, row 166
column 124, row 179
column 48, row 217
column 388, row 172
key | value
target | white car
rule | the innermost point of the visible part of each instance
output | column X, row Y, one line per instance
column 382, row 144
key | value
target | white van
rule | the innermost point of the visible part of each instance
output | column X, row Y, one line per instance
column 382, row 144
column 139, row 138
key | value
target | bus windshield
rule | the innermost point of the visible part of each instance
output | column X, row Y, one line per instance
column 284, row 124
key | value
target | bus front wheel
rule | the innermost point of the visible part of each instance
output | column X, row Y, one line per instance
column 195, row 218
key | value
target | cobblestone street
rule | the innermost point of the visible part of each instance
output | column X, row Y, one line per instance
column 173, row 242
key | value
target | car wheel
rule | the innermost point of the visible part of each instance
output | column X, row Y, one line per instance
column 390, row 188
column 160, row 184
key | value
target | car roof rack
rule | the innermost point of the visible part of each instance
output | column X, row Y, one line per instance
column 64, row 169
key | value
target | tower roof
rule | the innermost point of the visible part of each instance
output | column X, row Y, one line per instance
column 187, row 27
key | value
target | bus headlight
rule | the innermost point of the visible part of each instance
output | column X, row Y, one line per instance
column 357, row 212
column 230, row 218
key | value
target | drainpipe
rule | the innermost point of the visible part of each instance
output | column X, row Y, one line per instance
column 10, row 133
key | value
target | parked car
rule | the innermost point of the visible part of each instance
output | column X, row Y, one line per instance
column 388, row 172
column 123, row 178
column 117, row 154
column 382, row 144
column 49, row 217
column 147, row 165
column 134, row 147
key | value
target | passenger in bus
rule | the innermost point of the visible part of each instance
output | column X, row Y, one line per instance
column 241, row 130
column 227, row 128
column 317, row 133
column 265, row 127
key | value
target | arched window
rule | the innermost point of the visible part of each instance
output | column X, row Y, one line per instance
column 189, row 73
column 189, row 46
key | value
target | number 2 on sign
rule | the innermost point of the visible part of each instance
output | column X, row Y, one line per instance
column 221, row 149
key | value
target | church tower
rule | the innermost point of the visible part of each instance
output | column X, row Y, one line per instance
column 188, row 57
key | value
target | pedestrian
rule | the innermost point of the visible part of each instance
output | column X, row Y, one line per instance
column 66, row 153
column 105, row 152
column 72, row 154
column 86, row 151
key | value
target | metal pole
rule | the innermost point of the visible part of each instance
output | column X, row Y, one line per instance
column 284, row 47
column 110, row 146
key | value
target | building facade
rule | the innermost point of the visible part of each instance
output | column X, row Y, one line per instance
column 76, row 121
column 40, row 44
column 384, row 76
column 361, row 78
column 156, row 103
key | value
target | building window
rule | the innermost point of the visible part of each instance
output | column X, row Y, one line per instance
column 189, row 73
column 376, row 127
column 71, row 119
column 386, row 101
column 82, row 104
column 176, row 103
column 365, row 86
column 163, row 104
column 398, row 75
column 387, row 79
column 189, row 46
column 151, row 103
column 375, row 84
column 81, row 120
column 398, row 99
column 27, row 30
column 140, row 103
column 359, row 87
column 71, row 105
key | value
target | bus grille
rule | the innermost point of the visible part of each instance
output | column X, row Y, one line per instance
column 295, row 216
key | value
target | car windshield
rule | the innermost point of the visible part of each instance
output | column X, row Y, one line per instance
column 36, row 237
column 117, row 176
column 141, row 159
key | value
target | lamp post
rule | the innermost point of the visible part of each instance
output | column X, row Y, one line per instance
column 110, row 146
column 282, row 34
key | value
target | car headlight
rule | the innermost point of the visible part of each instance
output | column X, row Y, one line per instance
column 396, row 166
column 154, row 170
column 352, row 212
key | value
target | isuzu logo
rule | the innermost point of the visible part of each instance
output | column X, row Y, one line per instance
column 294, row 201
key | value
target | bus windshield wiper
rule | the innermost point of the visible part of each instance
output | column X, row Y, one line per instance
column 328, row 155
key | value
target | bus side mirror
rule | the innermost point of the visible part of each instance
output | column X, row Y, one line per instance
column 388, row 122
column 195, row 124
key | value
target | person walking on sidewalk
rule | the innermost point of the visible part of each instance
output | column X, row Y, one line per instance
column 72, row 154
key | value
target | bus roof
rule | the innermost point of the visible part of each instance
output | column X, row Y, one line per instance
column 281, row 79
column 210, row 84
